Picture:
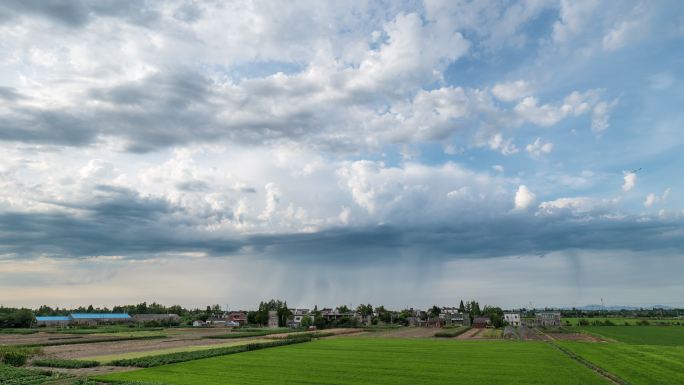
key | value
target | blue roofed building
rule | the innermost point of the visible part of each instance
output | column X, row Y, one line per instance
column 83, row 319
column 53, row 321
column 99, row 318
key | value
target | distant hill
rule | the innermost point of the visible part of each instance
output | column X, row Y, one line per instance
column 614, row 308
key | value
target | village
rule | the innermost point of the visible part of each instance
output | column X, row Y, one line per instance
column 312, row 319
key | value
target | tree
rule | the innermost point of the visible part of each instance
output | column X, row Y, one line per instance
column 495, row 314
column 434, row 311
column 365, row 310
column 461, row 307
column 306, row 322
column 252, row 318
column 343, row 309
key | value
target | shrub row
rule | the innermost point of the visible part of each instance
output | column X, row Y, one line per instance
column 240, row 335
column 68, row 364
column 164, row 359
column 451, row 332
column 271, row 330
column 308, row 335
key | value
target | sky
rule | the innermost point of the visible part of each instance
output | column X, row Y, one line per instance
column 397, row 153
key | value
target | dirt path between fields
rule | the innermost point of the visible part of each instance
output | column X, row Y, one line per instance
column 470, row 334
column 597, row 369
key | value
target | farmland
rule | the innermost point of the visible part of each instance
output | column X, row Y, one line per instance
column 376, row 360
column 636, row 364
column 397, row 355
column 640, row 335
column 573, row 321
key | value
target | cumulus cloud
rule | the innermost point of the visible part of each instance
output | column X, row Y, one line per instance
column 524, row 198
column 538, row 148
column 653, row 199
column 575, row 104
column 578, row 206
column 572, row 18
column 506, row 147
column 630, row 179
column 512, row 91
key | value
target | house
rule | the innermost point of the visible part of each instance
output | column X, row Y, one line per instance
column 163, row 318
column 448, row 310
column 481, row 322
column 237, row 316
column 512, row 319
column 272, row 319
column 451, row 316
column 549, row 318
column 461, row 319
column 99, row 318
column 53, row 321
column 199, row 324
column 329, row 314
column 221, row 321
column 432, row 323
column 298, row 315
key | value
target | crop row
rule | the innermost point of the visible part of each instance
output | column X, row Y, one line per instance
column 68, row 364
column 164, row 359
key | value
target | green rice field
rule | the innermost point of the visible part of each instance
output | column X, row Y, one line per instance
column 640, row 335
column 636, row 364
column 379, row 361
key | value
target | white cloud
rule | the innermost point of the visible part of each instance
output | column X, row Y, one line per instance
column 506, row 147
column 573, row 16
column 601, row 114
column 653, row 199
column 512, row 91
column 577, row 206
column 575, row 104
column 524, row 198
column 630, row 179
column 538, row 148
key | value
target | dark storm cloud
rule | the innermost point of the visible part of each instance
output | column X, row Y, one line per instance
column 32, row 125
column 9, row 93
column 163, row 110
column 120, row 222
column 503, row 237
column 78, row 13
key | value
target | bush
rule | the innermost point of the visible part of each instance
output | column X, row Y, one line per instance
column 19, row 376
column 69, row 364
column 15, row 358
column 16, row 355
column 164, row 359
column 583, row 322
column 643, row 322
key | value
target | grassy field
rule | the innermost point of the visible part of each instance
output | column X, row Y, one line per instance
column 379, row 361
column 121, row 356
column 637, row 364
column 640, row 335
